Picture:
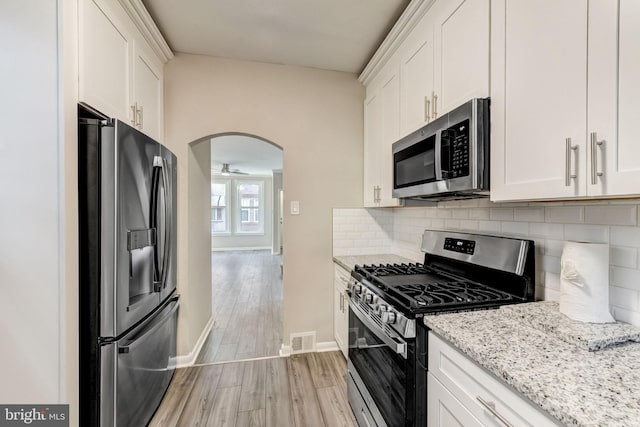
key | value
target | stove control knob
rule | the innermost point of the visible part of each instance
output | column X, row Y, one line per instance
column 389, row 317
column 368, row 298
column 358, row 289
column 383, row 308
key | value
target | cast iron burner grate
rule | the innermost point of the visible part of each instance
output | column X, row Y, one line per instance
column 418, row 287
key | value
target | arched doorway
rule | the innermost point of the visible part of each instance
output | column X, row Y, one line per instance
column 246, row 244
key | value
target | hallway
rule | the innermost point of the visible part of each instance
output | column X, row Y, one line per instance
column 247, row 306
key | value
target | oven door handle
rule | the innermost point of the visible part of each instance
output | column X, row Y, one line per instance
column 395, row 342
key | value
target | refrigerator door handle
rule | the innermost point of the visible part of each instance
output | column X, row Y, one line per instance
column 155, row 186
column 168, row 220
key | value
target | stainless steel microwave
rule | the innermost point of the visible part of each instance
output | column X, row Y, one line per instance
column 446, row 159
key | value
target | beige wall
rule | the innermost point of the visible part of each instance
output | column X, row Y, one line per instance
column 316, row 117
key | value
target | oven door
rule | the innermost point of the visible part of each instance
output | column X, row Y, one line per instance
column 383, row 362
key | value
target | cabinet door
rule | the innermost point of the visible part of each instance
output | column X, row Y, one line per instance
column 416, row 71
column 614, row 97
column 461, row 63
column 104, row 57
column 341, row 308
column 390, row 103
column 538, row 81
column 339, row 327
column 147, row 93
column 372, row 138
column 443, row 409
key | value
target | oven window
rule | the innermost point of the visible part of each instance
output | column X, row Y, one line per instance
column 383, row 372
column 415, row 164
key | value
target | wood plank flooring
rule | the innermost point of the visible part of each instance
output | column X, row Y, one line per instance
column 247, row 306
column 306, row 390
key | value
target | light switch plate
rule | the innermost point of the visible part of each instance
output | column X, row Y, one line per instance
column 295, row 207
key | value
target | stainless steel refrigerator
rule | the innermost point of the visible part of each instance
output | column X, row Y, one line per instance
column 128, row 300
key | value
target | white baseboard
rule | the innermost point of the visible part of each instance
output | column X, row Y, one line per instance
column 243, row 248
column 189, row 359
column 327, row 346
column 285, row 350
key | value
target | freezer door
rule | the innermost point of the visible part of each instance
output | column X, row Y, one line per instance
column 128, row 290
column 167, row 223
column 144, row 365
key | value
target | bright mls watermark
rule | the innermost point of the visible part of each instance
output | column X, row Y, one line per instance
column 34, row 415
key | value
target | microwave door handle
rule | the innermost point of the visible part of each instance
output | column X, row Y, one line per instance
column 438, row 155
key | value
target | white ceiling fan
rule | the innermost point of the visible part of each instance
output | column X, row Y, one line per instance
column 225, row 171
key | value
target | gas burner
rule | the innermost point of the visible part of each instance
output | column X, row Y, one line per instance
column 450, row 293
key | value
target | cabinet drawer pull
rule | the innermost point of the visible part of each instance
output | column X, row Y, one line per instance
column 594, row 157
column 568, row 175
column 491, row 407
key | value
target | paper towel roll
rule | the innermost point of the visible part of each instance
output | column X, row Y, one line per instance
column 584, row 282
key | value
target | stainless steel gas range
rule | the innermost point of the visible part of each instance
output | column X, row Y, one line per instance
column 387, row 363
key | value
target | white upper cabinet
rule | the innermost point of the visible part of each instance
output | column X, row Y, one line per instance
column 104, row 57
column 416, row 73
column 119, row 74
column 538, row 98
column 614, row 98
column 444, row 61
column 563, row 99
column 372, row 137
column 147, row 94
column 381, row 122
column 461, row 69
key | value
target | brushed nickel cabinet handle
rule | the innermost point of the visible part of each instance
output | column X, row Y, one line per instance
column 435, row 105
column 594, row 157
column 134, row 113
column 568, row 175
column 491, row 407
column 140, row 116
column 427, row 108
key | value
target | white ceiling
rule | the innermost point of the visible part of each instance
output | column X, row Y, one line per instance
column 337, row 35
column 251, row 155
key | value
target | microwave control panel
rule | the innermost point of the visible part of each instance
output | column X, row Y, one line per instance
column 456, row 138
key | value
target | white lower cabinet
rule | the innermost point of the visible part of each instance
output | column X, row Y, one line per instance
column 341, row 308
column 462, row 393
column 444, row 410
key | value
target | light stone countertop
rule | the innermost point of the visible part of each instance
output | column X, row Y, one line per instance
column 576, row 386
column 348, row 262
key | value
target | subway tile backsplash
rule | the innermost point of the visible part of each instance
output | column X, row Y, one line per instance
column 399, row 230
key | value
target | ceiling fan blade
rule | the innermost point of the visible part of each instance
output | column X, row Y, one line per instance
column 238, row 172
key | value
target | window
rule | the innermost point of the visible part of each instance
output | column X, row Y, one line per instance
column 219, row 212
column 250, row 212
column 237, row 206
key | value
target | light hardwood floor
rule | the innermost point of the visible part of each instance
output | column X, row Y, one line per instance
column 247, row 306
column 298, row 391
